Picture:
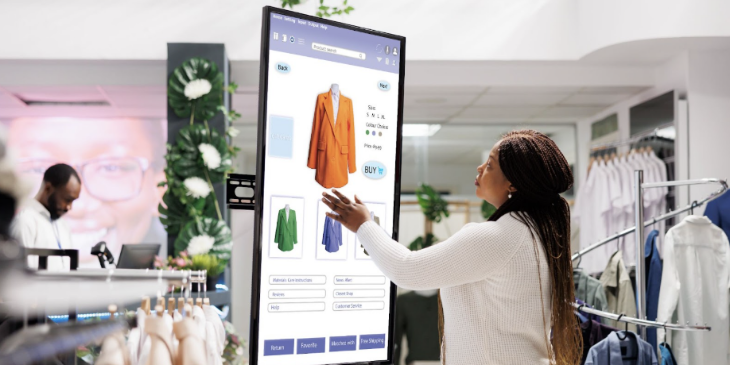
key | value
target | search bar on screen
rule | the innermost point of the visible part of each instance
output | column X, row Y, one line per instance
column 338, row 51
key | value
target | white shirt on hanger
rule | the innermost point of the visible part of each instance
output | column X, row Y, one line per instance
column 591, row 213
column 694, row 289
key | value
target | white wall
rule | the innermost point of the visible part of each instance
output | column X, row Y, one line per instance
column 671, row 75
column 703, row 77
column 708, row 95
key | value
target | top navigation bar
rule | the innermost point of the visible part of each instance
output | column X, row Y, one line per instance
column 312, row 39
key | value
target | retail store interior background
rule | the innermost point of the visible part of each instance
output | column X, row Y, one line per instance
column 585, row 73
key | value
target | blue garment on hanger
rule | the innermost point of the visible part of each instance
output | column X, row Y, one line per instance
column 608, row 352
column 667, row 355
column 653, row 264
column 718, row 211
column 332, row 237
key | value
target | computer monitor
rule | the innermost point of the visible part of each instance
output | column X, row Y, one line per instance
column 138, row 256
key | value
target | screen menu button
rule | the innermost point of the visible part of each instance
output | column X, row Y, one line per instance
column 279, row 347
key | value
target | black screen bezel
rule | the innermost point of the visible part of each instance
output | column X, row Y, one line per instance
column 260, row 168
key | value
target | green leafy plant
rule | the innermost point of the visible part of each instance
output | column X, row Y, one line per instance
column 432, row 205
column 323, row 11
column 179, row 88
column 487, row 210
column 435, row 209
column 210, row 263
column 421, row 243
column 206, row 227
column 326, row 11
column 199, row 158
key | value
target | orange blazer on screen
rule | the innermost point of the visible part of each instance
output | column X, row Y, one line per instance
column 332, row 147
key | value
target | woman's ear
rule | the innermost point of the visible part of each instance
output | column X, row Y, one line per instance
column 511, row 188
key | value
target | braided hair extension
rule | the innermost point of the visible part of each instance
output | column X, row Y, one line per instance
column 539, row 172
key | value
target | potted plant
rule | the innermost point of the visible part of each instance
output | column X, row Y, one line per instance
column 434, row 208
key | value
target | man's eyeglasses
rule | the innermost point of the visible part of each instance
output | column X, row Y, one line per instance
column 110, row 179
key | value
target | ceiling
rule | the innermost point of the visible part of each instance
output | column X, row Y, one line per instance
column 435, row 30
column 422, row 104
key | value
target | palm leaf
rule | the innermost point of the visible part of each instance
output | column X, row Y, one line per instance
column 173, row 213
column 205, row 106
column 206, row 226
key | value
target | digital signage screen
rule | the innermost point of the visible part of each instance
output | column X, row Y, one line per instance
column 330, row 116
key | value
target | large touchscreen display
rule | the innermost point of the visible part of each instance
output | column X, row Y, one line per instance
column 331, row 119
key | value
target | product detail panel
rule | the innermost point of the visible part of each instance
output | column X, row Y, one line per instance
column 331, row 121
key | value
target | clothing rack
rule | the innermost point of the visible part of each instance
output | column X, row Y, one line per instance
column 62, row 339
column 639, row 187
column 629, row 141
column 639, row 322
column 90, row 289
column 660, row 218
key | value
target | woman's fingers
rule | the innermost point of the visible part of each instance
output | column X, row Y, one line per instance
column 336, row 202
column 336, row 217
column 357, row 200
column 344, row 199
column 328, row 203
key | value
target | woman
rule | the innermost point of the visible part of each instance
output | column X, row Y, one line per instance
column 505, row 285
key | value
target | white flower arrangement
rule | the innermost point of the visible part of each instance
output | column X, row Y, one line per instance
column 197, row 187
column 211, row 157
column 197, row 88
column 200, row 245
column 233, row 132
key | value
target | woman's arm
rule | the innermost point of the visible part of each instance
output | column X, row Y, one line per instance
column 470, row 255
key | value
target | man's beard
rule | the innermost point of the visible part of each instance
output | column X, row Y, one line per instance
column 53, row 207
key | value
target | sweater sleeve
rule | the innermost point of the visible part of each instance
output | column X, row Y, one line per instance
column 470, row 255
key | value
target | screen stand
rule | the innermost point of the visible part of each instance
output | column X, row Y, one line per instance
column 240, row 199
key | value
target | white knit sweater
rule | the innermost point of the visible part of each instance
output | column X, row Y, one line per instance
column 490, row 292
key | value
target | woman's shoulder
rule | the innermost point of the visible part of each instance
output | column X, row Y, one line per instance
column 507, row 224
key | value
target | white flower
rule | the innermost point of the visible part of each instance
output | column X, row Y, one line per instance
column 197, row 88
column 233, row 132
column 200, row 245
column 197, row 187
column 211, row 157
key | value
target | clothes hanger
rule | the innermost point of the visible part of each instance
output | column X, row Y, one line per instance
column 146, row 305
column 188, row 310
column 160, row 310
column 206, row 301
column 199, row 302
column 170, row 305
column 112, row 311
column 692, row 208
column 160, row 302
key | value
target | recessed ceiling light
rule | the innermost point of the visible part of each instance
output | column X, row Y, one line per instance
column 420, row 130
column 431, row 101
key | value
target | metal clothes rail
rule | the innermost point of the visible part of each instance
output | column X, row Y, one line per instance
column 660, row 218
column 640, row 322
column 636, row 138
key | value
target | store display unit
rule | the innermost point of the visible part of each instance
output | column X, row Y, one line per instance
column 305, row 160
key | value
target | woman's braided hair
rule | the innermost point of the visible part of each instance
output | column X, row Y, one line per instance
column 539, row 172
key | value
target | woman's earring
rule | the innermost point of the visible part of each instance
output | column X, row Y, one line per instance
column 509, row 196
